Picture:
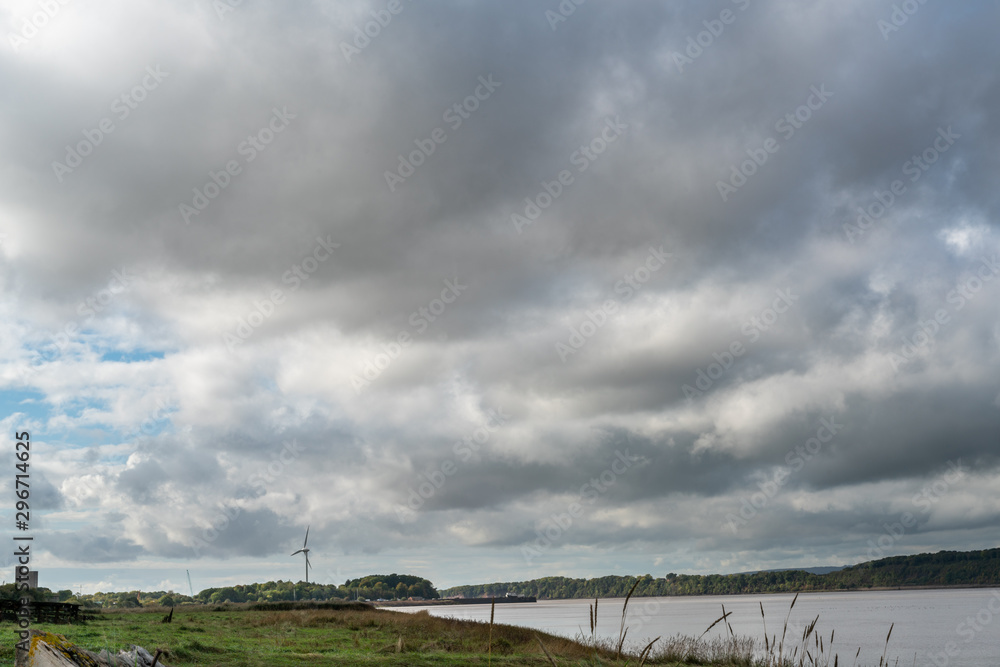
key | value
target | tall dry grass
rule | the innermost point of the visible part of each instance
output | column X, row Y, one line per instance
column 729, row 650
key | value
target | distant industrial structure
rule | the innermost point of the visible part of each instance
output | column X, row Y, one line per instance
column 32, row 578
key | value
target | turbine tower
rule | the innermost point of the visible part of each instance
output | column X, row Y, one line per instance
column 305, row 550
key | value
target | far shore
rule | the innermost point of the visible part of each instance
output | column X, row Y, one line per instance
column 412, row 603
column 451, row 602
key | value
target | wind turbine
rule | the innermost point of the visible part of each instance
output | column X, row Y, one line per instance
column 305, row 550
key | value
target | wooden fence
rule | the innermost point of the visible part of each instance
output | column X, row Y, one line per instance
column 41, row 612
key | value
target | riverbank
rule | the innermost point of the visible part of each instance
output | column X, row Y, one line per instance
column 351, row 634
column 322, row 633
column 413, row 603
column 453, row 601
column 804, row 591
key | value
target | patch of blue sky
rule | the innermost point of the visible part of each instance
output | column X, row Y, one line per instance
column 75, row 408
column 63, row 345
column 130, row 356
column 25, row 401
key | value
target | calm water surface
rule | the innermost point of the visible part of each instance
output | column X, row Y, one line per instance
column 929, row 623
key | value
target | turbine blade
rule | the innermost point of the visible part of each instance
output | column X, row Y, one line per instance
column 304, row 543
column 297, row 552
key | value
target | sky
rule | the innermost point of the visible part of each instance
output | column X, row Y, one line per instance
column 493, row 291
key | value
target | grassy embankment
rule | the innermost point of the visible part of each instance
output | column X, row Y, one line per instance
column 287, row 635
column 231, row 635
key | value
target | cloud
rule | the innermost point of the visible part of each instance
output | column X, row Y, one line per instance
column 170, row 356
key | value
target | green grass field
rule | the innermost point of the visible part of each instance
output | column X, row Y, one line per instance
column 320, row 634
column 233, row 636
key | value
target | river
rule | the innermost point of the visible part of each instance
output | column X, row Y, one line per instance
column 940, row 628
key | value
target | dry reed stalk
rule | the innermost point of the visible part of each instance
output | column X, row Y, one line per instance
column 622, row 630
column 781, row 646
column 546, row 651
column 646, row 651
column 489, row 646
column 881, row 660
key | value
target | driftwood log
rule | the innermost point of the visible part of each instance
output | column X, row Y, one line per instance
column 51, row 650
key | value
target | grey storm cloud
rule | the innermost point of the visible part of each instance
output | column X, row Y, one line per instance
column 363, row 243
column 90, row 547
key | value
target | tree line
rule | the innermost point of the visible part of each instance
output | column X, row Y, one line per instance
column 945, row 568
column 372, row 587
column 942, row 569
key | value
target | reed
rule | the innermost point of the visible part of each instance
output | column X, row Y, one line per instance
column 593, row 624
column 808, row 649
column 489, row 643
column 882, row 659
column 645, row 653
column 622, row 630
column 546, row 651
